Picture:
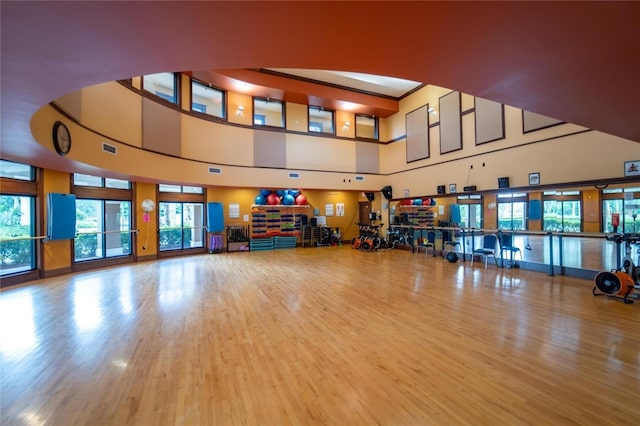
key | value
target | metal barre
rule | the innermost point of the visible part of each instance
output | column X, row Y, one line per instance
column 44, row 237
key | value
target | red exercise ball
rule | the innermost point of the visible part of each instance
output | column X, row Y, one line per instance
column 273, row 199
column 301, row 200
column 406, row 202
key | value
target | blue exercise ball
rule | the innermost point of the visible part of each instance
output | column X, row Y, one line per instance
column 417, row 202
column 294, row 192
column 265, row 192
column 288, row 200
column 280, row 192
column 260, row 200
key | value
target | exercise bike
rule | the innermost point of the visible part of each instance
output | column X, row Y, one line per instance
column 621, row 282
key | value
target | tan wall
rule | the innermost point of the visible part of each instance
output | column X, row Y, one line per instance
column 147, row 238
column 109, row 103
column 591, row 210
column 560, row 154
column 57, row 254
column 297, row 117
column 234, row 100
column 343, row 117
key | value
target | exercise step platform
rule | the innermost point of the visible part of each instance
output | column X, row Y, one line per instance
column 285, row 242
column 257, row 244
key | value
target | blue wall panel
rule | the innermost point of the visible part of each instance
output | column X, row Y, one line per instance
column 61, row 216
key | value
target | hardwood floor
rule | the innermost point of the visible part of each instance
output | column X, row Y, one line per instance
column 316, row 336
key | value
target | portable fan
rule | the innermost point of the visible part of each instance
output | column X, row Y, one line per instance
column 148, row 205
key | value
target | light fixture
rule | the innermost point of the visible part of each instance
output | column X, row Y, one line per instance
column 240, row 111
column 346, row 126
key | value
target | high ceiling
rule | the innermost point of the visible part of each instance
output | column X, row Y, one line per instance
column 574, row 61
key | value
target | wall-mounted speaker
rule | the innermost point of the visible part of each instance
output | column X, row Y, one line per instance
column 469, row 188
column 370, row 195
column 387, row 192
column 441, row 189
column 503, row 182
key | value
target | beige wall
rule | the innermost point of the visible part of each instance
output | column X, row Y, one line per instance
column 560, row 154
column 147, row 237
column 57, row 254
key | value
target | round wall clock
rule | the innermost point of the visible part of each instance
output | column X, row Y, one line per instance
column 61, row 138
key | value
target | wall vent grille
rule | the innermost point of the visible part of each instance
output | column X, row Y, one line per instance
column 109, row 149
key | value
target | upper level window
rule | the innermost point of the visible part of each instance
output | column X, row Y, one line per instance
column 321, row 120
column 177, row 188
column 11, row 170
column 366, row 127
column 207, row 99
column 268, row 112
column 96, row 181
column 163, row 84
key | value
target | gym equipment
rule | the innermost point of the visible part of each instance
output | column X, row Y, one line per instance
column 621, row 282
column 451, row 257
column 369, row 238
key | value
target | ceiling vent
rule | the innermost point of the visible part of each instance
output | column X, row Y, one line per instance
column 294, row 175
column 215, row 170
column 109, row 149
column 359, row 178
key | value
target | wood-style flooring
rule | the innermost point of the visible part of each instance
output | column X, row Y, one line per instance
column 311, row 336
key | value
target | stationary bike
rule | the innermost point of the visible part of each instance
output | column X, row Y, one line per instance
column 621, row 282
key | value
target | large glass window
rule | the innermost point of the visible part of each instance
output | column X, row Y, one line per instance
column 181, row 225
column 103, row 217
column 206, row 99
column 268, row 112
column 470, row 211
column 321, row 120
column 11, row 170
column 561, row 211
column 512, row 210
column 103, row 229
column 99, row 182
column 163, row 85
column 17, row 218
column 17, row 229
column 163, row 187
column 366, row 127
column 624, row 206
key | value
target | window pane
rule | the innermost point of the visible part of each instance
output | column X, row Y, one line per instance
column 475, row 216
column 193, row 225
column 117, row 183
column 464, row 215
column 268, row 112
column 504, row 215
column 117, row 225
column 87, row 180
column 9, row 169
column 631, row 222
column 552, row 216
column 320, row 121
column 170, row 218
column 169, row 188
column 17, row 226
column 192, row 189
column 89, row 227
column 207, row 100
column 519, row 216
column 366, row 127
column 608, row 208
column 162, row 84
